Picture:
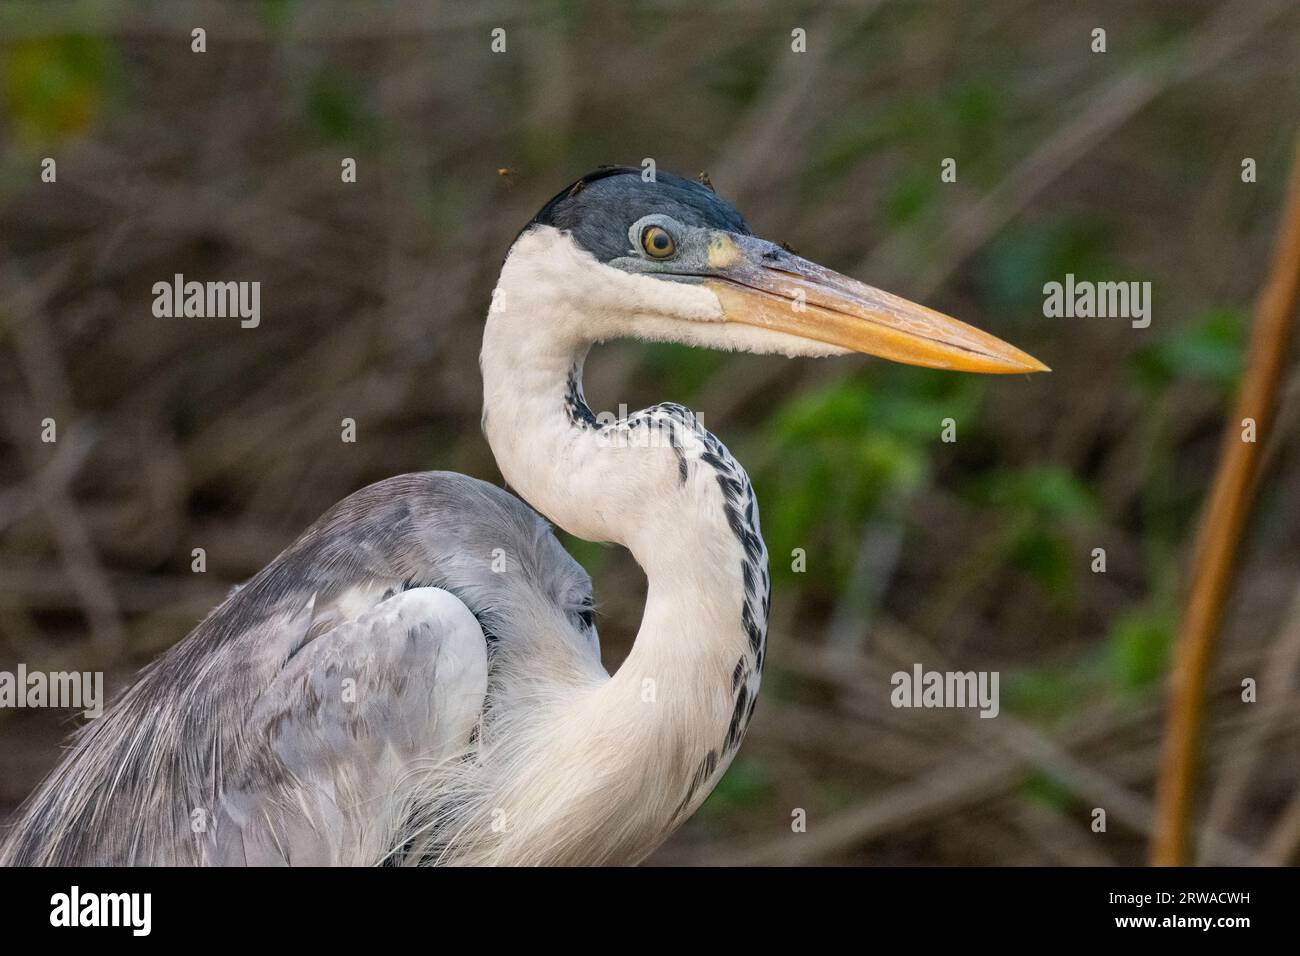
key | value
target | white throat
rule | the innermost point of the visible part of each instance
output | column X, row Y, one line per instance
column 656, row 483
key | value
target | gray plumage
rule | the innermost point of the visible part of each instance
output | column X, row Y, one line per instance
column 238, row 745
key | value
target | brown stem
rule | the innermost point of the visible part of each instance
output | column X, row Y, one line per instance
column 1219, row 536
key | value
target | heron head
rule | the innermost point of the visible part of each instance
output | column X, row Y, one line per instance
column 667, row 259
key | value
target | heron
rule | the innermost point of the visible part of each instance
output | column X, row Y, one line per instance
column 417, row 679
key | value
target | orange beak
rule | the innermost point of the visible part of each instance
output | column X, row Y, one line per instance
column 762, row 285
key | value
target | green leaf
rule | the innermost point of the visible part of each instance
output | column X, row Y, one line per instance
column 1042, row 493
column 334, row 108
column 1018, row 264
column 1047, row 557
column 682, row 371
column 1047, row 789
column 745, row 784
column 1209, row 350
column 909, row 197
column 53, row 87
column 1138, row 647
column 1055, row 690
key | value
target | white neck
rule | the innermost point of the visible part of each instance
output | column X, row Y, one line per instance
column 660, row 732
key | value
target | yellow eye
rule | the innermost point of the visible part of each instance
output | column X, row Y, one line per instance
column 657, row 243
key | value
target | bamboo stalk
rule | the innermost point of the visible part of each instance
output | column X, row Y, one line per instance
column 1220, row 533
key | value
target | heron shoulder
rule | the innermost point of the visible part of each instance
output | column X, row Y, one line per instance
column 353, row 721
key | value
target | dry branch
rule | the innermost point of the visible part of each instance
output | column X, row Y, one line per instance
column 1219, row 537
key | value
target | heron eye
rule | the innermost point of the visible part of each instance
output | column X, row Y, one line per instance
column 657, row 243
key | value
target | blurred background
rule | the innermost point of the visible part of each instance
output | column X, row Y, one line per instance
column 1126, row 165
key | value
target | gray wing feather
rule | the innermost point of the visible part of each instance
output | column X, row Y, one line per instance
column 351, row 721
column 234, row 746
